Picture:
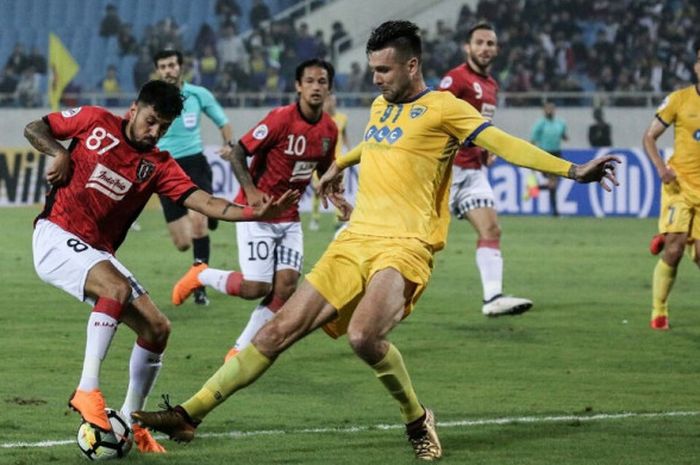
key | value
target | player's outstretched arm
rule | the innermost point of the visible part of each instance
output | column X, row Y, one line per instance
column 38, row 133
column 216, row 207
column 522, row 153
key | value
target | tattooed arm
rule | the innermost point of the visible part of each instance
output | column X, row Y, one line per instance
column 38, row 133
column 216, row 207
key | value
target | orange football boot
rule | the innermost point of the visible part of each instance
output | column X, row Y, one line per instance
column 144, row 441
column 91, row 406
column 188, row 283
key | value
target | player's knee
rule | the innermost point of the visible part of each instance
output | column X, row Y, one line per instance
column 270, row 340
column 363, row 342
column 156, row 334
column 284, row 291
column 673, row 253
column 254, row 289
column 181, row 244
column 491, row 232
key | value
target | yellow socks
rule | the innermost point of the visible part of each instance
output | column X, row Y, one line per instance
column 392, row 373
column 664, row 276
column 233, row 375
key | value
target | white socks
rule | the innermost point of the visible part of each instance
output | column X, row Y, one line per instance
column 490, row 264
column 258, row 318
column 100, row 331
column 215, row 279
column 144, row 367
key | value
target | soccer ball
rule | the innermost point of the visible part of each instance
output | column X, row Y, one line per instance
column 95, row 444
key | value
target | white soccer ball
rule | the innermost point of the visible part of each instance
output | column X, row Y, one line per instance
column 95, row 444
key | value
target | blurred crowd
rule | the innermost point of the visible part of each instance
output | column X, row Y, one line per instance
column 554, row 45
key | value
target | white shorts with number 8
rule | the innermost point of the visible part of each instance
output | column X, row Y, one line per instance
column 63, row 260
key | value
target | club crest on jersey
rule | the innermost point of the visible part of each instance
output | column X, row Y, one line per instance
column 71, row 112
column 446, row 82
column 417, row 110
column 696, row 135
column 326, row 144
column 260, row 132
column 145, row 170
column 110, row 183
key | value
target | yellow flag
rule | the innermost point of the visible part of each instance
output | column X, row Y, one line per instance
column 62, row 67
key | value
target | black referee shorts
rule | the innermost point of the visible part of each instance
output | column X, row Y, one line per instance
column 198, row 169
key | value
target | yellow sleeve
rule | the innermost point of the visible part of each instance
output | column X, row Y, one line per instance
column 668, row 108
column 520, row 152
column 350, row 158
column 459, row 118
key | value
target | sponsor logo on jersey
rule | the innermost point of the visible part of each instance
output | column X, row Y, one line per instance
column 417, row 110
column 383, row 133
column 145, row 170
column 110, row 183
column 260, row 132
column 446, row 82
column 189, row 120
column 71, row 112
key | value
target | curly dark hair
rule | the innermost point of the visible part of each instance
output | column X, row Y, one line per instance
column 404, row 36
column 167, row 100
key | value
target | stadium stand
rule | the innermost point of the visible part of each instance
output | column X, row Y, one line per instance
column 554, row 46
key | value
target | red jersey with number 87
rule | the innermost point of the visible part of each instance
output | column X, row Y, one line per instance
column 286, row 149
column 110, row 180
column 481, row 92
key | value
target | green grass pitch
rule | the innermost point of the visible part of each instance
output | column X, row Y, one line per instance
column 559, row 377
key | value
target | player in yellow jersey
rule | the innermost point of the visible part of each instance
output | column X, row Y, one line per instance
column 679, row 218
column 341, row 120
column 371, row 276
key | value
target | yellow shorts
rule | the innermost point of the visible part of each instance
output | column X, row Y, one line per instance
column 342, row 273
column 680, row 210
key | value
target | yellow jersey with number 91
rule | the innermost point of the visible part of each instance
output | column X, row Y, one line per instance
column 682, row 109
column 406, row 162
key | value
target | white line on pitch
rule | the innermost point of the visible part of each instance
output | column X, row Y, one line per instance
column 359, row 429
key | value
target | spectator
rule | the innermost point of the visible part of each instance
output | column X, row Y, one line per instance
column 305, row 46
column 143, row 68
column 259, row 12
column 225, row 89
column 111, row 23
column 205, row 36
column 37, row 60
column 208, row 68
column 227, row 11
column 355, row 78
column 127, row 42
column 340, row 40
column 28, row 89
column 232, row 50
column 8, row 86
column 321, row 45
column 110, row 87
column 18, row 59
column 599, row 133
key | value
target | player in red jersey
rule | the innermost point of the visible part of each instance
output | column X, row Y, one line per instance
column 471, row 196
column 99, row 186
column 287, row 146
